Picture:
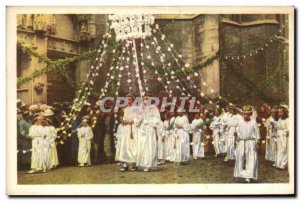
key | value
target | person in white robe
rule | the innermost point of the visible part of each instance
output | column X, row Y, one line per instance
column 216, row 127
column 51, row 134
column 36, row 133
column 282, row 128
column 247, row 134
column 119, row 135
column 271, row 136
column 85, row 136
column 225, row 130
column 182, row 141
column 171, row 139
column 232, row 123
column 150, row 129
column 131, row 123
column 161, row 144
column 196, row 129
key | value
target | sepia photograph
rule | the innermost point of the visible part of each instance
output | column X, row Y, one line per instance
column 150, row 101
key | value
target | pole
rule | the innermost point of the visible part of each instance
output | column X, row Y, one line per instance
column 137, row 68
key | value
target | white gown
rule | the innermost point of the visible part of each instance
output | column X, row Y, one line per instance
column 282, row 127
column 171, row 139
column 271, row 140
column 198, row 144
column 232, row 123
column 51, row 157
column 150, row 129
column 119, row 135
column 161, row 143
column 85, row 135
column 128, row 147
column 36, row 133
column 225, row 130
column 182, row 139
column 216, row 127
column 246, row 154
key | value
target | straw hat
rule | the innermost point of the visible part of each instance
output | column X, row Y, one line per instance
column 47, row 113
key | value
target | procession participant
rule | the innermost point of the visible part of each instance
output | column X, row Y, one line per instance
column 262, row 115
column 171, row 139
column 151, row 127
column 128, row 147
column 216, row 127
column 232, row 123
column 247, row 134
column 282, row 128
column 197, row 130
column 182, row 138
column 162, row 142
column 271, row 136
column 225, row 130
column 23, row 138
column 36, row 133
column 119, row 135
column 85, row 135
column 51, row 135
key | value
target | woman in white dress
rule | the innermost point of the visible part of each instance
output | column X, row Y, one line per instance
column 131, row 123
column 196, row 129
column 282, row 128
column 247, row 135
column 216, row 127
column 150, row 129
column 85, row 136
column 36, row 133
column 271, row 136
column 182, row 127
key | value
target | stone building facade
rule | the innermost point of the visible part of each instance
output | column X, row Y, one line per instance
column 196, row 37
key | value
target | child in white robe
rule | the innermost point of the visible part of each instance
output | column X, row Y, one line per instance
column 85, row 135
column 232, row 123
column 282, row 128
column 36, row 133
column 171, row 139
column 51, row 134
column 225, row 130
column 246, row 163
column 161, row 144
column 196, row 129
column 216, row 127
column 182, row 138
column 119, row 135
column 271, row 136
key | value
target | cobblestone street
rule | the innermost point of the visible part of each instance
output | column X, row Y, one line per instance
column 208, row 170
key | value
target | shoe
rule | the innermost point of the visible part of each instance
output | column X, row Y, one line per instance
column 226, row 159
column 81, row 165
column 32, row 171
column 133, row 169
column 195, row 158
column 118, row 164
column 44, row 170
column 147, row 170
column 273, row 165
column 87, row 165
column 247, row 180
column 123, row 169
column 216, row 155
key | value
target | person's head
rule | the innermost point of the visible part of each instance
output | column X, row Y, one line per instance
column 282, row 113
column 218, row 112
column 247, row 112
column 130, row 99
column 197, row 115
column 39, row 120
column 84, row 122
column 20, row 116
column 273, row 113
column 227, row 108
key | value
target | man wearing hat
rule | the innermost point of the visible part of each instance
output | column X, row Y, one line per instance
column 246, row 164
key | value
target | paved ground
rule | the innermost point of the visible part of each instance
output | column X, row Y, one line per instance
column 209, row 170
